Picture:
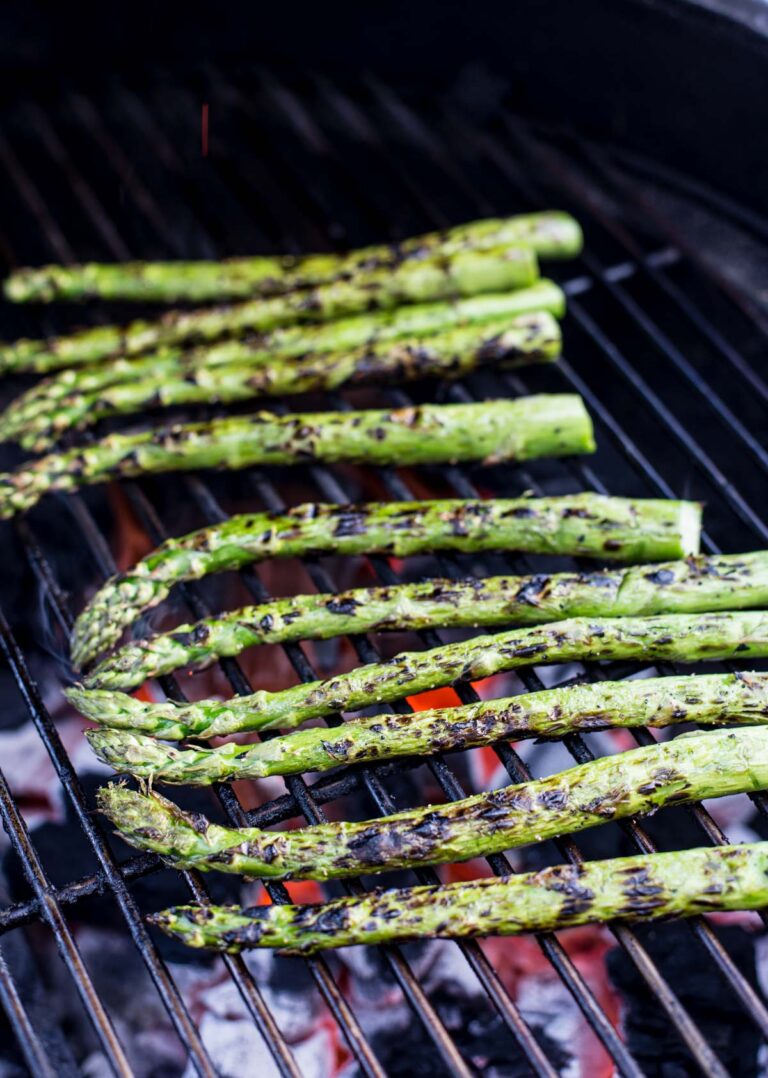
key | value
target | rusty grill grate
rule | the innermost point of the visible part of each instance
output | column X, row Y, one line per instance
column 659, row 345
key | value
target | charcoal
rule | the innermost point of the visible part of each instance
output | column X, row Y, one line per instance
column 714, row 1008
column 479, row 1034
column 23, row 967
column 13, row 710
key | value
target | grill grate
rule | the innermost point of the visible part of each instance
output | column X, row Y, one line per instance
column 340, row 166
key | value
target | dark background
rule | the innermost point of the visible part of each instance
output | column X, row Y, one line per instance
column 671, row 79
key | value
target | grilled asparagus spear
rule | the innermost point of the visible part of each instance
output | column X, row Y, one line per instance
column 492, row 431
column 550, row 234
column 671, row 637
column 690, row 768
column 533, row 338
column 380, row 288
column 581, row 524
column 235, row 323
column 721, row 582
column 712, row 699
column 646, row 887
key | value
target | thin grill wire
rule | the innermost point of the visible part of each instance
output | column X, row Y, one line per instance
column 312, row 209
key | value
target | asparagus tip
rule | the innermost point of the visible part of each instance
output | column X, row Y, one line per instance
column 199, row 926
column 100, row 705
column 14, row 288
column 151, row 822
column 146, row 820
column 185, row 923
column 82, row 699
column 116, row 797
column 125, row 750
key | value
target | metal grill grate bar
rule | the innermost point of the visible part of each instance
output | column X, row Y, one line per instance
column 17, row 831
column 32, row 1048
column 185, row 1027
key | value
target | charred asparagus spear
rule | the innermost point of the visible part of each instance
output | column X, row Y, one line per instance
column 690, row 768
column 380, row 288
column 549, row 234
column 646, row 887
column 722, row 582
column 236, row 323
column 533, row 338
column 492, row 431
column 711, row 700
column 361, row 333
column 671, row 637
column 581, row 524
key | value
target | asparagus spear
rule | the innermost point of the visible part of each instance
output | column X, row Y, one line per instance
column 646, row 887
column 361, row 332
column 690, row 768
column 550, row 234
column 713, row 699
column 533, row 338
column 464, row 274
column 238, row 322
column 721, row 582
column 550, row 425
column 671, row 637
column 580, row 524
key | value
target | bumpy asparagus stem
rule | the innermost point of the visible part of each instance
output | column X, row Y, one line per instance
column 545, row 426
column 691, row 768
column 416, row 319
column 580, row 524
column 346, row 335
column 431, row 278
column 671, row 637
column 550, row 234
column 533, row 338
column 722, row 582
column 646, row 887
column 711, row 700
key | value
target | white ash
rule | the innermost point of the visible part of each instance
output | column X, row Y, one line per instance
column 237, row 1049
column 123, row 984
column 734, row 814
column 296, row 1012
column 546, row 1004
column 26, row 760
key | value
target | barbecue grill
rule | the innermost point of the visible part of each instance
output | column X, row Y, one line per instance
column 663, row 339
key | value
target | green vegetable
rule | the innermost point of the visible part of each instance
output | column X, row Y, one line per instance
column 670, row 637
column 580, row 524
column 380, row 288
column 712, row 699
column 550, row 234
column 492, row 431
column 533, row 338
column 690, row 768
column 720, row 582
column 640, row 888
column 417, row 319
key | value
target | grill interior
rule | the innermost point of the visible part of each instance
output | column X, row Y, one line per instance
column 662, row 340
